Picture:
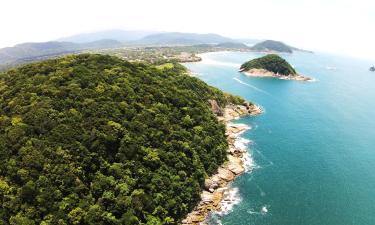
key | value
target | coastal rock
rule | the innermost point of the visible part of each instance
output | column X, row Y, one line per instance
column 216, row 186
column 216, row 108
column 211, row 184
column 206, row 197
column 235, row 165
column 266, row 73
column 236, row 128
column 225, row 174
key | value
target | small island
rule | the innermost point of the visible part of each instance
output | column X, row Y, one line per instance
column 372, row 68
column 272, row 65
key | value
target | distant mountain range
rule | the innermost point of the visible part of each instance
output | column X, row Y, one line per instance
column 231, row 45
column 118, row 35
column 119, row 38
column 176, row 38
column 31, row 51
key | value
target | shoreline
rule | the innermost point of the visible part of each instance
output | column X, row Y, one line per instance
column 266, row 73
column 216, row 194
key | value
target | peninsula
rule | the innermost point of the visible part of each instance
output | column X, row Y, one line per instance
column 271, row 65
column 272, row 46
column 94, row 139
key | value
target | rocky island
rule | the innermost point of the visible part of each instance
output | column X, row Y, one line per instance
column 372, row 68
column 272, row 65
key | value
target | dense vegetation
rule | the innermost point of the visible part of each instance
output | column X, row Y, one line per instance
column 271, row 62
column 270, row 45
column 93, row 139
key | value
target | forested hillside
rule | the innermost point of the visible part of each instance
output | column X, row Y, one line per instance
column 272, row 63
column 93, row 139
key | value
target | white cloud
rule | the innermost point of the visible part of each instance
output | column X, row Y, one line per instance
column 344, row 26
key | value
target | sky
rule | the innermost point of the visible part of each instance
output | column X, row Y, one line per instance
column 335, row 26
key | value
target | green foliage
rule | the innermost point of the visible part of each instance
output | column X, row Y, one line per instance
column 271, row 62
column 165, row 66
column 93, row 139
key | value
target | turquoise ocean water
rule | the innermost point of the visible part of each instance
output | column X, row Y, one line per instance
column 313, row 148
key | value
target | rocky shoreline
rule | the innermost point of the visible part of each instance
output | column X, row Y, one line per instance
column 216, row 187
column 266, row 73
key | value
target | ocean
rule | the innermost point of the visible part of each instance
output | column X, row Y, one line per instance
column 313, row 148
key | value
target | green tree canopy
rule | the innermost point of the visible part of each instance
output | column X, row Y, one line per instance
column 271, row 62
column 93, row 139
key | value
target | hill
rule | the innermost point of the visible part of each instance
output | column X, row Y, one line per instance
column 93, row 139
column 176, row 38
column 274, row 66
column 272, row 63
column 118, row 35
column 31, row 51
column 232, row 45
column 270, row 45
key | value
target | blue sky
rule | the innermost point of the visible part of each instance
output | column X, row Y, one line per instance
column 345, row 26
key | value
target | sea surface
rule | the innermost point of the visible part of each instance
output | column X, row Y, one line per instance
column 314, row 146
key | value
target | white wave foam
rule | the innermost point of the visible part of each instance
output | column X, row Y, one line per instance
column 249, row 85
column 241, row 143
column 231, row 198
column 247, row 127
column 263, row 211
column 248, row 162
column 231, row 195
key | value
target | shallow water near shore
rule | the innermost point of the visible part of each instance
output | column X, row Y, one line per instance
column 314, row 146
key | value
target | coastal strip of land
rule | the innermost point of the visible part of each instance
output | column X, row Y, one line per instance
column 216, row 187
column 266, row 73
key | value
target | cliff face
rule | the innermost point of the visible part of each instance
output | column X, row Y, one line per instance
column 216, row 109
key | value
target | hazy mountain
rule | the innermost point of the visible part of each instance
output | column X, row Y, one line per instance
column 30, row 51
column 249, row 41
column 275, row 46
column 119, row 35
column 270, row 45
column 231, row 45
column 176, row 38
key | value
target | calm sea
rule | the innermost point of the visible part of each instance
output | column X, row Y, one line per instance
column 314, row 147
